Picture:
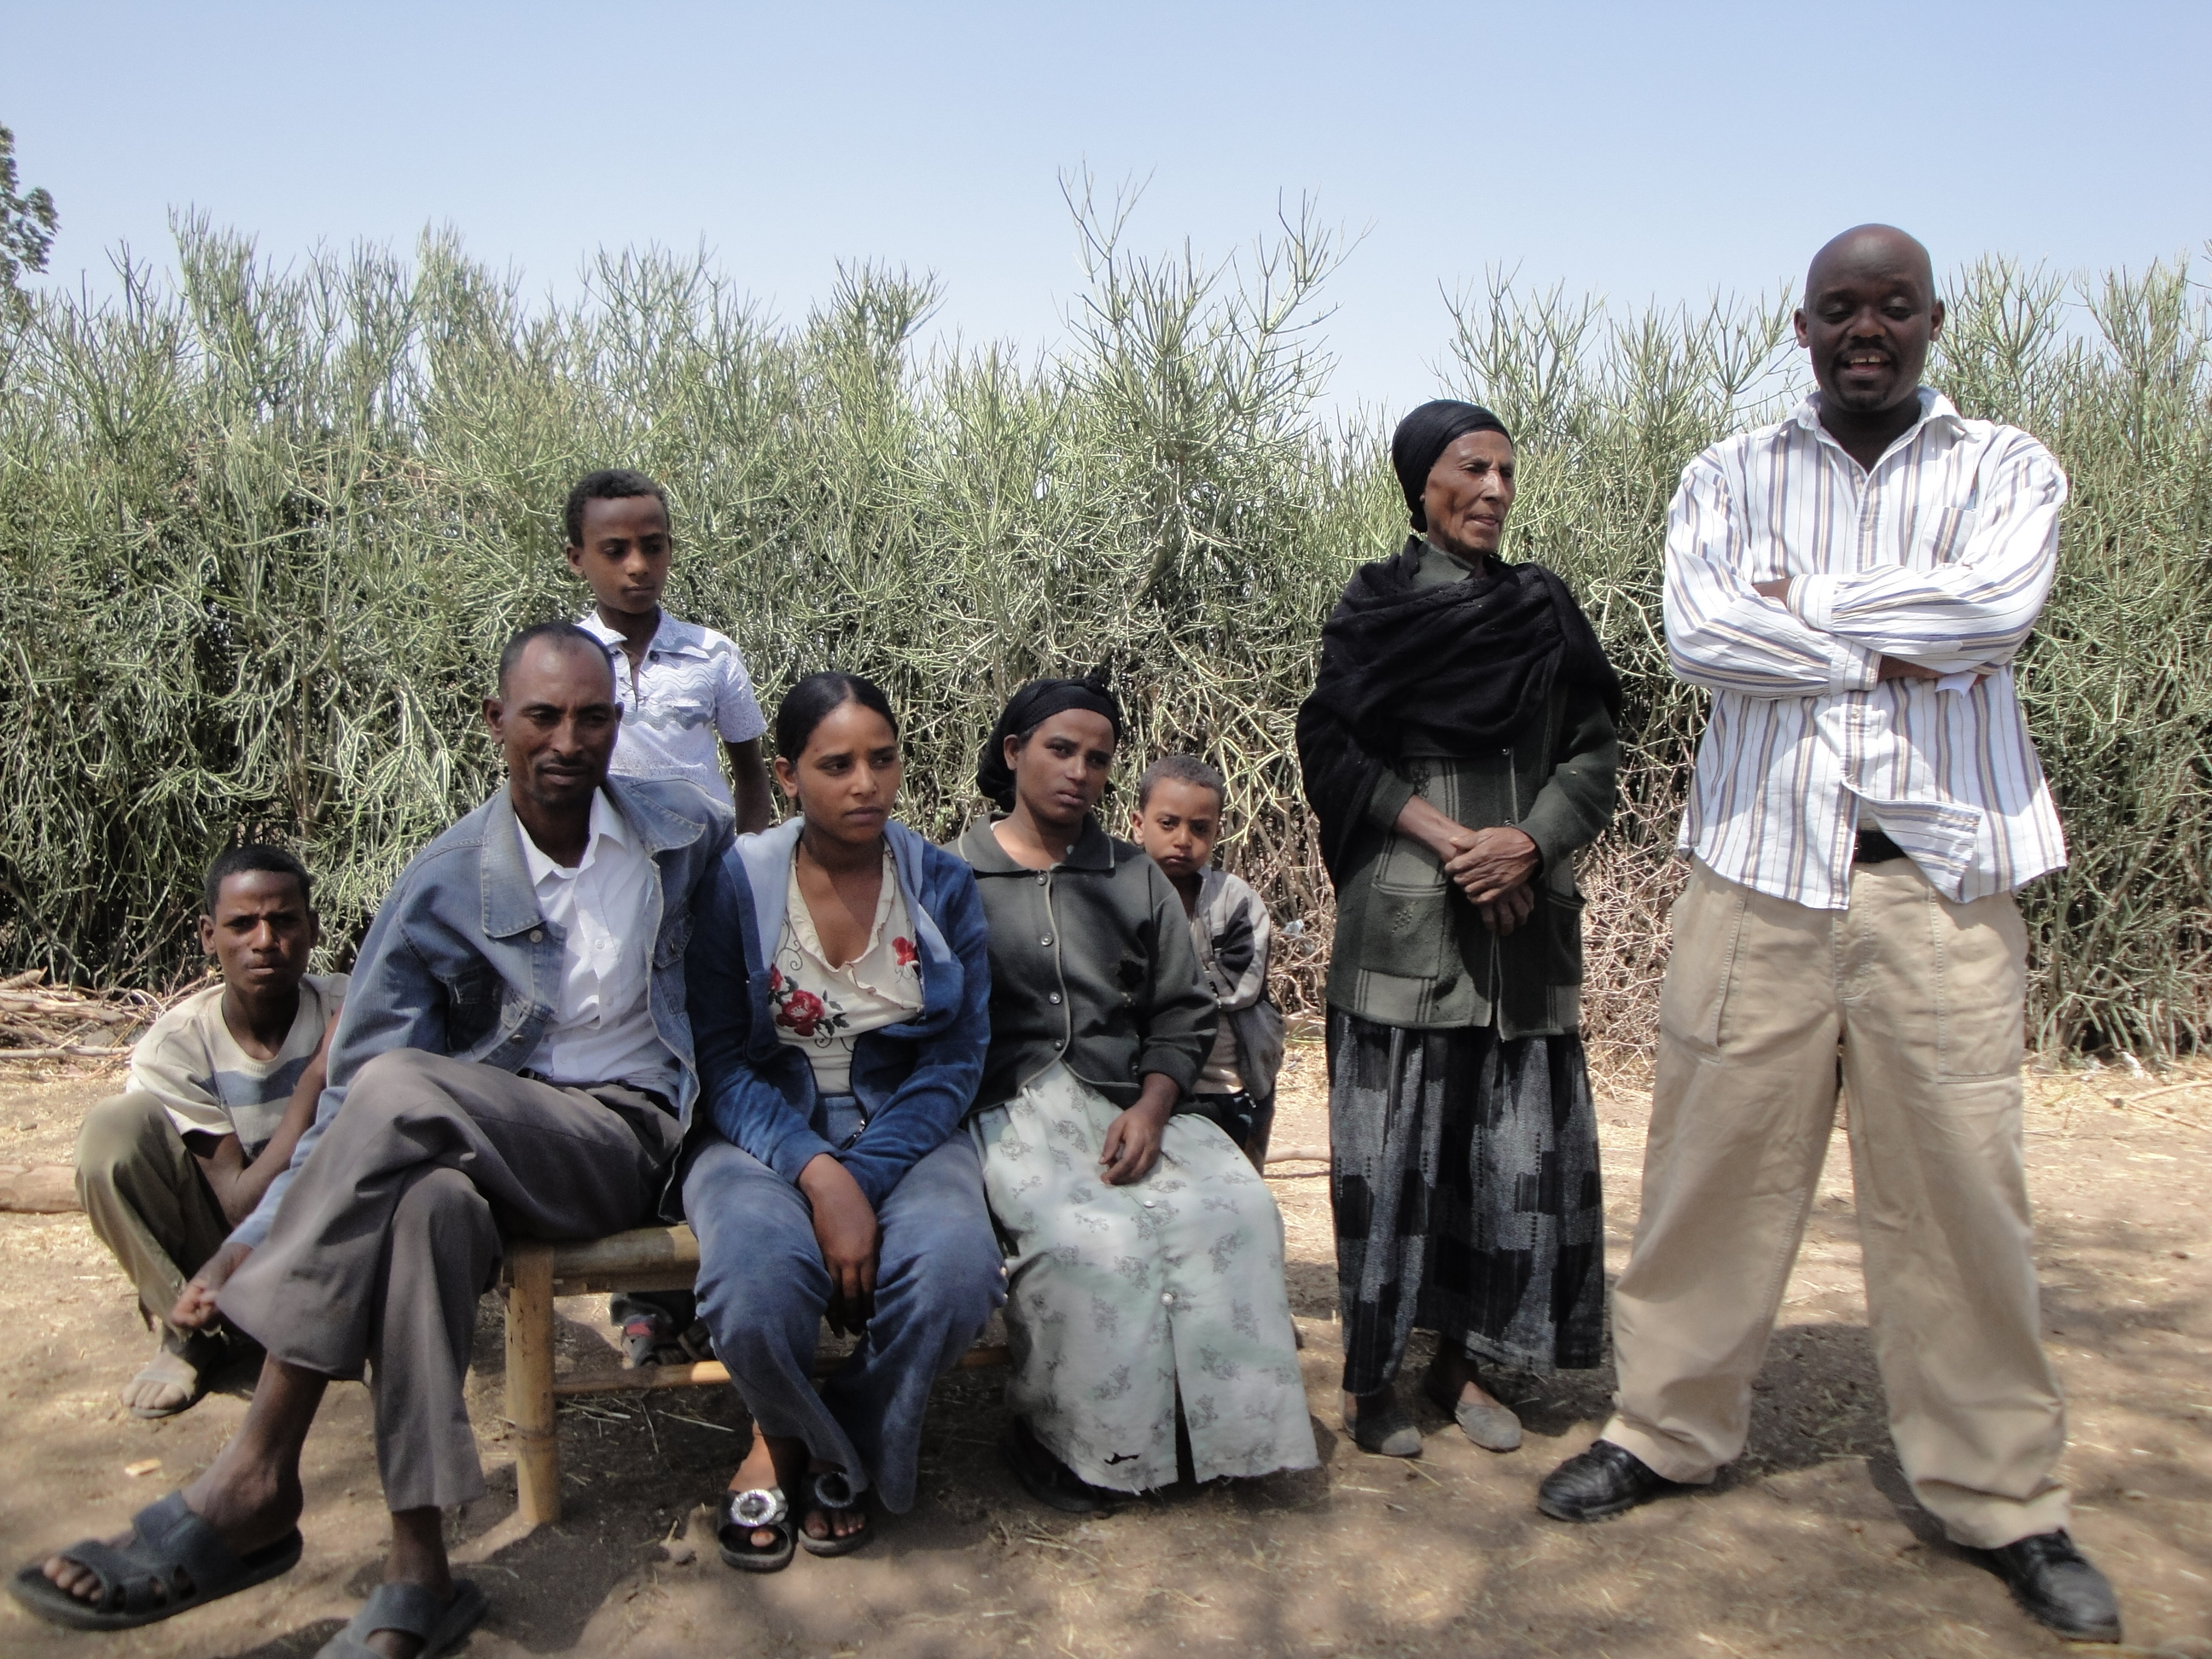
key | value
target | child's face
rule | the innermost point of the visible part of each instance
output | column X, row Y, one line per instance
column 624, row 557
column 1178, row 825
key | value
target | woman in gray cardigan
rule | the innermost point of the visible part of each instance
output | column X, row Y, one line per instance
column 1458, row 749
column 1146, row 1257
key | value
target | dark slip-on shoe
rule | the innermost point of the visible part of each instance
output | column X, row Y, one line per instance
column 2055, row 1585
column 1607, row 1479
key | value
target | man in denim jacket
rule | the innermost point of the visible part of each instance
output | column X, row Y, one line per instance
column 515, row 1056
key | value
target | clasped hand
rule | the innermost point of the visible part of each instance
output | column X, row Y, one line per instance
column 1492, row 866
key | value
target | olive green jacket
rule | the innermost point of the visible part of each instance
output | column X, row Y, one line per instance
column 1411, row 950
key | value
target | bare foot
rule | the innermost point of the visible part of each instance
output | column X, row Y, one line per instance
column 169, row 1382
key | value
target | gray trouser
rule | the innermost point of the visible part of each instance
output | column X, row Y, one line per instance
column 143, row 1193
column 392, row 1230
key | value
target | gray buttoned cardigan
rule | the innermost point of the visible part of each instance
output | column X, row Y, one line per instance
column 1091, row 963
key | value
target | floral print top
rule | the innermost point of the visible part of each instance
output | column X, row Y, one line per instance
column 821, row 1009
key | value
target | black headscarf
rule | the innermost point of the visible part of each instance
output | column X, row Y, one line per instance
column 1461, row 668
column 1426, row 434
column 1030, row 707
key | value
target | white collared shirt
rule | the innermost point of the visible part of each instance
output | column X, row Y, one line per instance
column 1942, row 554
column 602, row 1030
column 690, row 695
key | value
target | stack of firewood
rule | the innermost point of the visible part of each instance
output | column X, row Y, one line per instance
column 39, row 1021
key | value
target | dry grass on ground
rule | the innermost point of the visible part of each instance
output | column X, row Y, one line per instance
column 1808, row 1546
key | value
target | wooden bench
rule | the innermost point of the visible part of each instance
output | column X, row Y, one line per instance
column 648, row 1259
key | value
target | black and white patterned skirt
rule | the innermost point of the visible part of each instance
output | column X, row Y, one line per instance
column 1465, row 1191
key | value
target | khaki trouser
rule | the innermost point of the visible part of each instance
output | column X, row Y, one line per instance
column 1924, row 997
column 391, row 1229
column 143, row 1193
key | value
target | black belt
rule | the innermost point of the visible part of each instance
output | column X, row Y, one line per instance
column 1874, row 848
column 593, row 1089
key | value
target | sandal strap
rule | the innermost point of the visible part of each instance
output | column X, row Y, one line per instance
column 169, row 1528
column 413, row 1610
column 831, row 1481
column 141, row 1574
column 126, row 1583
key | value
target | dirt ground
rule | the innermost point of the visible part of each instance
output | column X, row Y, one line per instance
column 1808, row 1545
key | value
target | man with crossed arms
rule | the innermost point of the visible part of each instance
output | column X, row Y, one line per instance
column 1851, row 585
column 514, row 1057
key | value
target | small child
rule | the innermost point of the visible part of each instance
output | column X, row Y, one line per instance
column 1180, row 801
column 680, row 686
column 221, row 1090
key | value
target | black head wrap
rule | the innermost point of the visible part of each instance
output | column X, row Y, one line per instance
column 1030, row 707
column 1426, row 434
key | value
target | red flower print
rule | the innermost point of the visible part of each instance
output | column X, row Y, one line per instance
column 775, row 979
column 904, row 951
column 800, row 1012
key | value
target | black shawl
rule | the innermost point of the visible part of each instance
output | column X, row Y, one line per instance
column 1459, row 668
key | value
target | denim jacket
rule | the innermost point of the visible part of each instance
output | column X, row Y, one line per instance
column 914, row 1080
column 460, row 961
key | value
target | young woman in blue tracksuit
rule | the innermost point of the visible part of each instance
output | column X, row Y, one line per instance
column 839, row 986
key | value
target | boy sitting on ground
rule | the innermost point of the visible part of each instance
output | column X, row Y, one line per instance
column 1180, row 800
column 221, row 1090
column 681, row 687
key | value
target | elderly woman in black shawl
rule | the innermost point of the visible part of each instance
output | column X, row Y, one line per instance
column 1457, row 750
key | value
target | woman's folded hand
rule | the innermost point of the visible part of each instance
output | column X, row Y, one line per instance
column 1496, row 862
column 1133, row 1139
column 1508, row 910
column 845, row 1228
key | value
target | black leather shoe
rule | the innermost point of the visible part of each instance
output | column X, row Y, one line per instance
column 1604, row 1480
column 2055, row 1584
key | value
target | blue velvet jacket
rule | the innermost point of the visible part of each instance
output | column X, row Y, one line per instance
column 915, row 1080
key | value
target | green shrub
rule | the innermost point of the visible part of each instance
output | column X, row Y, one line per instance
column 261, row 532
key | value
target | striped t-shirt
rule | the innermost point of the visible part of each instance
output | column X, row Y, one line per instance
column 192, row 1064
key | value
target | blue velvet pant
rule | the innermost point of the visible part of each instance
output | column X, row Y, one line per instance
column 762, row 1289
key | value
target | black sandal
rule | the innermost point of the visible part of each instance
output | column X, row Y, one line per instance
column 138, row 1577
column 761, row 1508
column 411, row 1610
column 834, row 1495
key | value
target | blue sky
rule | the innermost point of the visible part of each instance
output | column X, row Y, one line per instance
column 1638, row 151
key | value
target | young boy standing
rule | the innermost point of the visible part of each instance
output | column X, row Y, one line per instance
column 681, row 686
column 1180, row 800
column 222, row 1088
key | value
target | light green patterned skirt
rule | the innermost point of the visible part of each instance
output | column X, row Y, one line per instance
column 1118, row 1297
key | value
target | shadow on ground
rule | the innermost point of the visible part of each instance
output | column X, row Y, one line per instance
column 1809, row 1545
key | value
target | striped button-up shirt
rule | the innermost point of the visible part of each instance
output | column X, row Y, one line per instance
column 1941, row 555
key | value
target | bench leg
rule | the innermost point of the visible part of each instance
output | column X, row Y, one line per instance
column 530, row 1381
